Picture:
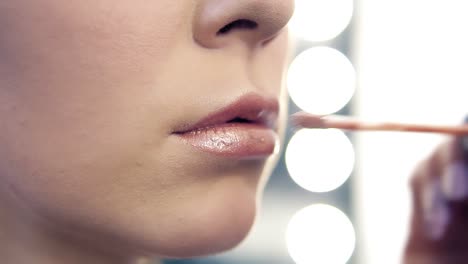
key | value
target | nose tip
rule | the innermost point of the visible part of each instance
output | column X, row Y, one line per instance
column 221, row 22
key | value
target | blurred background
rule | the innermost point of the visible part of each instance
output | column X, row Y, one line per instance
column 336, row 197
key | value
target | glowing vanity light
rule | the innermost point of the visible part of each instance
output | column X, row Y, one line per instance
column 320, row 234
column 320, row 20
column 321, row 80
column 319, row 160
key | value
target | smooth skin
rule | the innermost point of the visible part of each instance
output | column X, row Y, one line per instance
column 90, row 93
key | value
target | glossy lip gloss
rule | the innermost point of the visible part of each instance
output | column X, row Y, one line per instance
column 243, row 129
column 234, row 140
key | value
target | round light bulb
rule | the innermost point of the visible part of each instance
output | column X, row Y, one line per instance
column 321, row 80
column 320, row 20
column 320, row 234
column 319, row 160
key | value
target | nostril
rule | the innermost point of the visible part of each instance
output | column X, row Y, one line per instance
column 238, row 24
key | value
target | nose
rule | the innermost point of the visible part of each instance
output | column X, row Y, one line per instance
column 218, row 23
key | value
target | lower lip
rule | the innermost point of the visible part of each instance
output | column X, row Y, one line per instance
column 238, row 140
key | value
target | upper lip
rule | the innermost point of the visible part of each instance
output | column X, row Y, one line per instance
column 250, row 108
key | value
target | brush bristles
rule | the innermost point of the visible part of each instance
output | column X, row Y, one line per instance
column 305, row 120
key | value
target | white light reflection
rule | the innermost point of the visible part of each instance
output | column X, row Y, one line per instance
column 320, row 234
column 320, row 20
column 319, row 160
column 321, row 80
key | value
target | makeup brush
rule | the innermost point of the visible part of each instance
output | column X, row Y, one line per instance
column 306, row 120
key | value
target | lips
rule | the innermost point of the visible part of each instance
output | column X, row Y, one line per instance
column 243, row 129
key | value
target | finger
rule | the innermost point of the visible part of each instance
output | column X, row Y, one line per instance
column 440, row 207
column 429, row 213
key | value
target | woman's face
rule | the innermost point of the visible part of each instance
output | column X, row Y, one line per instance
column 95, row 96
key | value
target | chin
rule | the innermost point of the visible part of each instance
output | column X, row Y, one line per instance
column 212, row 223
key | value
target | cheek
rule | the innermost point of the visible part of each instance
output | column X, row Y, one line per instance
column 77, row 79
column 89, row 54
column 77, row 105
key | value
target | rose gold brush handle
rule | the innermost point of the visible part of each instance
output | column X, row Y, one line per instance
column 306, row 120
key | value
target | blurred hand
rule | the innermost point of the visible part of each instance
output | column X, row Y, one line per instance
column 439, row 224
